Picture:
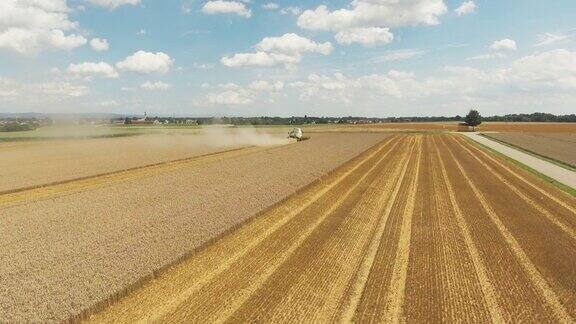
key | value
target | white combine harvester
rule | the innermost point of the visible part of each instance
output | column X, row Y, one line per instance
column 295, row 133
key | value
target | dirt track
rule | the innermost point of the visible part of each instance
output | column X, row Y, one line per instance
column 419, row 228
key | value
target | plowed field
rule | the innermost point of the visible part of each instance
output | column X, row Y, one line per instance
column 420, row 228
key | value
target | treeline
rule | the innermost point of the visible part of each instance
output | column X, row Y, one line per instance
column 263, row 120
column 535, row 117
column 17, row 127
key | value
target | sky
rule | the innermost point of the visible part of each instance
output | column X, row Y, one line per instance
column 374, row 58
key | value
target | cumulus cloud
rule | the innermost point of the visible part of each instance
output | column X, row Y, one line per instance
column 234, row 94
column 367, row 36
column 374, row 13
column 226, row 7
column 291, row 10
column 505, row 44
column 146, row 62
column 270, row 6
column 262, row 85
column 91, row 69
column 286, row 49
column 63, row 89
column 552, row 70
column 465, row 8
column 229, row 97
column 30, row 26
column 400, row 55
column 99, row 45
column 158, row 85
column 498, row 49
column 551, row 39
column 113, row 4
column 528, row 82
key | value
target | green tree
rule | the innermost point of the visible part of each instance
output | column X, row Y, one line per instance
column 473, row 119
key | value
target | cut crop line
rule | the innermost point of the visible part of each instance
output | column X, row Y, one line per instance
column 536, row 277
column 487, row 288
column 396, row 292
column 181, row 297
column 558, row 201
column 248, row 292
column 359, row 285
column 519, row 193
column 64, row 187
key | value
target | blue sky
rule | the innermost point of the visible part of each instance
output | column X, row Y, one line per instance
column 239, row 58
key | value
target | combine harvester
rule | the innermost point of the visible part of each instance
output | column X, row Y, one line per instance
column 296, row 133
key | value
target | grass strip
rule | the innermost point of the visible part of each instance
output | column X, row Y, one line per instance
column 559, row 163
column 565, row 188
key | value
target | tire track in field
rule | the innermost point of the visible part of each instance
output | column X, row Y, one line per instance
column 488, row 289
column 351, row 302
column 217, row 258
column 376, row 302
column 525, row 180
column 548, row 295
column 571, row 232
column 250, row 272
column 441, row 268
column 311, row 293
column 395, row 297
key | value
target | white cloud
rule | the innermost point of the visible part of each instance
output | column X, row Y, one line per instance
column 234, row 94
column 158, row 85
column 91, row 69
column 291, row 10
column 146, row 62
column 113, row 4
column 400, row 55
column 487, row 56
column 292, row 44
column 367, row 36
column 262, row 85
column 141, row 32
column 226, row 7
column 551, row 39
column 498, row 48
column 229, row 98
column 270, row 6
column 63, row 89
column 374, row 13
column 465, row 8
column 552, row 70
column 286, row 49
column 27, row 27
column 505, row 44
column 99, row 45
column 528, row 83
column 108, row 103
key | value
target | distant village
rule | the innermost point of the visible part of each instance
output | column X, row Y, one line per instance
column 24, row 122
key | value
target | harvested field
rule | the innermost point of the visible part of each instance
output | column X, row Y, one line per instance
column 560, row 147
column 420, row 228
column 29, row 164
column 65, row 248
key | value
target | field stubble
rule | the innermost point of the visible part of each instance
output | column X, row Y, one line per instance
column 420, row 228
column 72, row 250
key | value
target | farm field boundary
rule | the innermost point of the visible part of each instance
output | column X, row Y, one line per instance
column 565, row 178
column 564, row 188
column 57, row 188
column 535, row 154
